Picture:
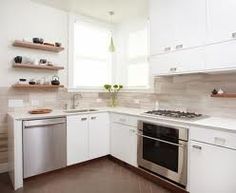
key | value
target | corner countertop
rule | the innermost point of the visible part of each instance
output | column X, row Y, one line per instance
column 219, row 123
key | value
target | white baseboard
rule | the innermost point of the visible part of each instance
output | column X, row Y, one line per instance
column 3, row 168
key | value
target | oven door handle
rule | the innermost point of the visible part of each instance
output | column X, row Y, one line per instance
column 160, row 140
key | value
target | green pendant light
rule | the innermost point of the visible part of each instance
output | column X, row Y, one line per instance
column 112, row 45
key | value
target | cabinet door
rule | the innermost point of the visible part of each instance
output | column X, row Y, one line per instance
column 117, row 141
column 190, row 60
column 133, row 145
column 77, row 139
column 212, row 169
column 161, row 16
column 221, row 15
column 182, row 61
column 176, row 25
column 190, row 23
column 163, row 64
column 221, row 56
column 99, row 140
column 124, row 143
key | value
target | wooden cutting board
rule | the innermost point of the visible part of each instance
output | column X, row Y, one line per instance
column 40, row 111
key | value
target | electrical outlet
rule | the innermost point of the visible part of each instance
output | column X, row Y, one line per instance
column 136, row 101
column 98, row 100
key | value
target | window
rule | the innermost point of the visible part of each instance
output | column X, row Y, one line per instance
column 137, row 63
column 91, row 57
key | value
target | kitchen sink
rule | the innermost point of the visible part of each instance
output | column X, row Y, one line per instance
column 80, row 110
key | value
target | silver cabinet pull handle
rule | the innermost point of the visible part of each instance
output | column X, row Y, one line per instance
column 93, row 118
column 83, row 119
column 167, row 49
column 234, row 35
column 173, row 69
column 132, row 130
column 180, row 46
column 197, row 147
column 219, row 140
column 122, row 120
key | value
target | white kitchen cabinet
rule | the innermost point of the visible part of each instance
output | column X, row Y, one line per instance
column 87, row 137
column 124, row 143
column 221, row 56
column 212, row 169
column 123, row 138
column 183, row 61
column 221, row 15
column 175, row 25
column 77, row 139
column 99, row 135
column 161, row 26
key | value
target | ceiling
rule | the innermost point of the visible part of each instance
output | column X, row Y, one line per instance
column 124, row 9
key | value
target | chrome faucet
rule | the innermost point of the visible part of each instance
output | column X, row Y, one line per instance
column 75, row 100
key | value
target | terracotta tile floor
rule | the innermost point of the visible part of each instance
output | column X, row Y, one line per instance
column 102, row 176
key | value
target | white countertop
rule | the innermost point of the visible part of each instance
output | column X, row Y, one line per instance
column 221, row 123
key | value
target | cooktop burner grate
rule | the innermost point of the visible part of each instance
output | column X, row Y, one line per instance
column 174, row 114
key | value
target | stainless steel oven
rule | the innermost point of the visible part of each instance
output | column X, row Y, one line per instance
column 162, row 149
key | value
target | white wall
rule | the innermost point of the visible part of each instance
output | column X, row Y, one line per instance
column 24, row 19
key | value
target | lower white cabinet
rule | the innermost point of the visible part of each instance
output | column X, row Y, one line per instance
column 212, row 169
column 77, row 139
column 87, row 137
column 99, row 135
column 124, row 143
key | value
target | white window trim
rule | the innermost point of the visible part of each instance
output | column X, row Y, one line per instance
column 71, row 20
column 142, row 89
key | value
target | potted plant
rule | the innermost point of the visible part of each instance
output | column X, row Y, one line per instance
column 113, row 90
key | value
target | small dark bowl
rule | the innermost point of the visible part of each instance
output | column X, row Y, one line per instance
column 18, row 59
column 36, row 40
column 32, row 82
column 57, row 44
column 42, row 61
column 55, row 82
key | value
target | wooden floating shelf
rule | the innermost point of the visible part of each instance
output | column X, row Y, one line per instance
column 41, row 67
column 225, row 95
column 40, row 86
column 30, row 45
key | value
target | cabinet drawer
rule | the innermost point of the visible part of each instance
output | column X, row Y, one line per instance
column 215, row 137
column 124, row 119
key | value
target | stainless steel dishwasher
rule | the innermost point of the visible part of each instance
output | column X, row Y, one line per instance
column 44, row 145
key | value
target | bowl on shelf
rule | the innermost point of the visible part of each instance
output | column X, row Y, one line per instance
column 38, row 40
column 57, row 44
column 18, row 59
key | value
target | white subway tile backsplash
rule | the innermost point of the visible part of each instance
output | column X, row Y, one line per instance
column 15, row 103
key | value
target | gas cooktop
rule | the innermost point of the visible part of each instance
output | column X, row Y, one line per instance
column 175, row 114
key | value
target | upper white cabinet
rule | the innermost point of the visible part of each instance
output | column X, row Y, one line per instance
column 221, row 56
column 87, row 137
column 183, row 61
column 191, row 36
column 175, row 25
column 221, row 15
column 99, row 135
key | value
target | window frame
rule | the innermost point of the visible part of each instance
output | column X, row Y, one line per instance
column 143, row 89
column 72, row 19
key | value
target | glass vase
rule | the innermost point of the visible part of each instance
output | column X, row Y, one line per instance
column 113, row 99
